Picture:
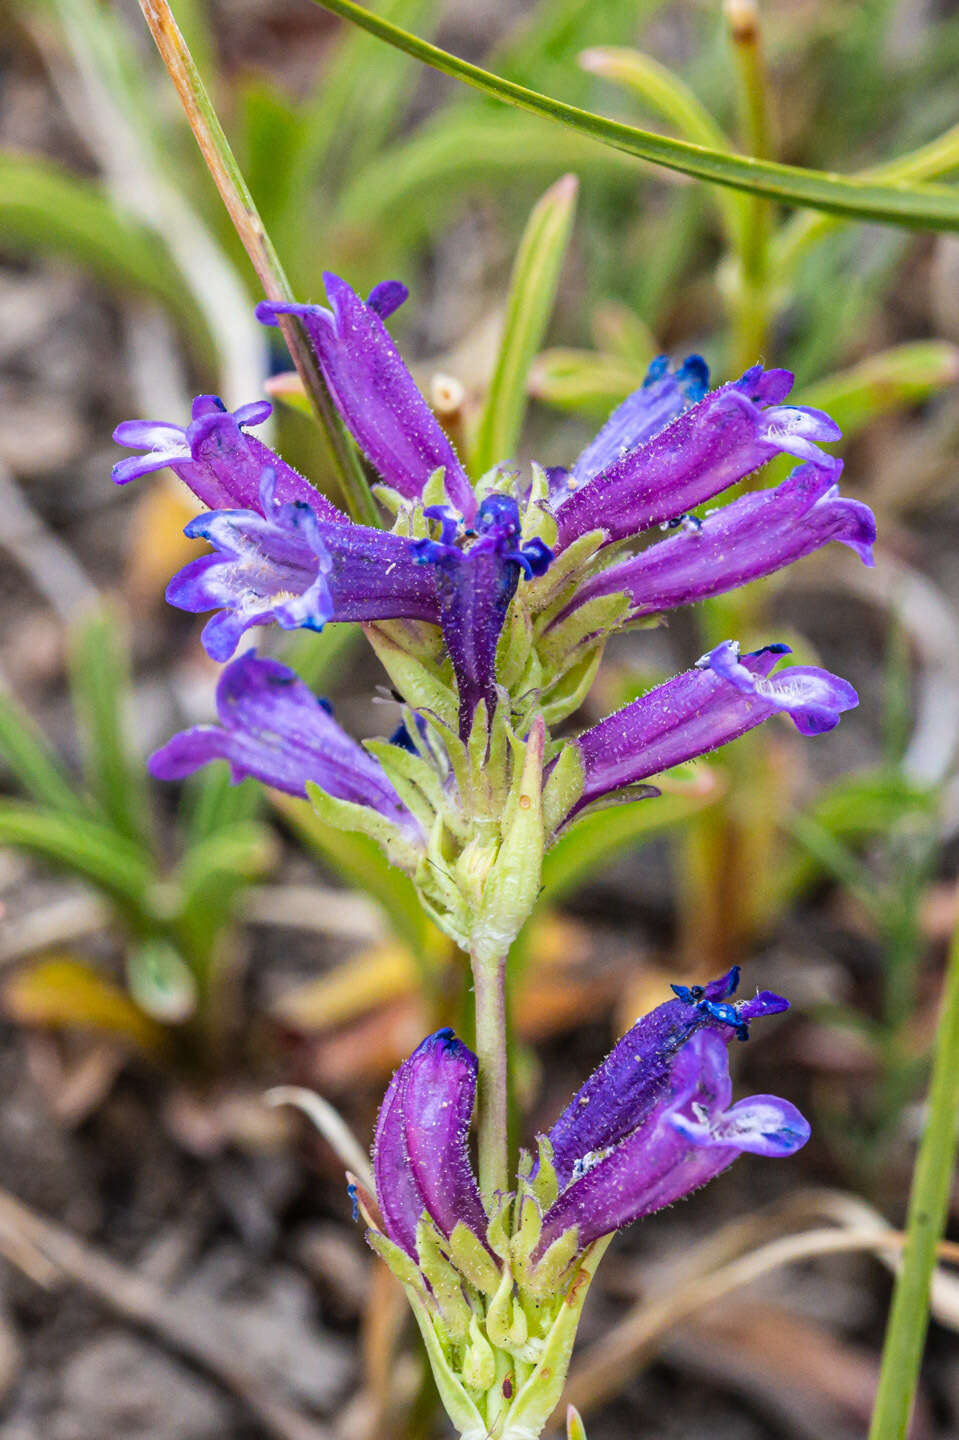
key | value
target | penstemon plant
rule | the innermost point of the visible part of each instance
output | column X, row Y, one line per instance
column 489, row 602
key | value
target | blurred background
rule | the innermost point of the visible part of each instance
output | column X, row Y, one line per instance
column 178, row 1261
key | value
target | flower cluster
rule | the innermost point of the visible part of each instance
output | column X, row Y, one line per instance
column 497, row 1281
column 490, row 602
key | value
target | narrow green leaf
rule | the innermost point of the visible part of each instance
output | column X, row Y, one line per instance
column 211, row 802
column 88, row 847
column 914, row 206
column 44, row 209
column 101, row 690
column 532, row 295
column 422, row 176
column 69, row 994
column 658, row 87
column 211, row 876
column 32, row 761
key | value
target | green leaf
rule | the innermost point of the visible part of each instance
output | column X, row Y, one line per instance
column 101, row 690
column 532, row 295
column 211, row 876
column 68, row 994
column 915, row 206
column 32, row 761
column 88, row 847
column 44, row 209
column 414, row 181
column 890, row 380
column 160, row 982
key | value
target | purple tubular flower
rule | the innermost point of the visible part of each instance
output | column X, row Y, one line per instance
column 622, row 1092
column 754, row 536
column 719, row 441
column 274, row 728
column 475, row 587
column 373, row 390
column 282, row 563
column 421, row 1151
column 687, row 1139
column 717, row 701
column 663, row 396
column 214, row 455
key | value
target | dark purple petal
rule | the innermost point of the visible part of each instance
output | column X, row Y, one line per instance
column 623, row 1091
column 720, row 699
column 374, row 391
column 398, row 1195
column 688, row 1139
column 274, row 728
column 214, row 455
column 754, row 536
column 437, row 1108
column 475, row 587
column 708, row 448
column 664, row 395
column 281, row 564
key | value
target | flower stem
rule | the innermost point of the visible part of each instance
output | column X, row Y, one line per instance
column 489, row 989
column 235, row 194
column 928, row 1204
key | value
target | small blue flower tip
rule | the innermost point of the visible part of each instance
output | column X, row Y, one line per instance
column 351, row 1191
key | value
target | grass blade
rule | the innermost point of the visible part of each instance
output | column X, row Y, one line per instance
column 925, row 207
column 100, row 683
column 31, row 760
column 532, row 295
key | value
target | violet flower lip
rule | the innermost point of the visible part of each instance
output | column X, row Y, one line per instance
column 721, row 698
column 273, row 727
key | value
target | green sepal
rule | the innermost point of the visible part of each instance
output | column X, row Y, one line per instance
column 513, row 884
column 434, row 491
column 563, row 788
column 545, row 1278
column 538, row 1398
column 529, row 1227
column 575, row 1429
column 515, row 645
column 506, row 1323
column 391, row 500
column 445, row 1283
column 479, row 1363
column 596, row 617
column 421, row 687
column 567, row 693
column 545, row 1185
column 456, row 1402
column 413, row 779
column 397, row 1261
column 473, row 1260
column 346, row 815
column 548, row 590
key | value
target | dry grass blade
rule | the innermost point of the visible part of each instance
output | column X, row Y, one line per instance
column 331, row 1126
column 197, row 1334
column 606, row 1365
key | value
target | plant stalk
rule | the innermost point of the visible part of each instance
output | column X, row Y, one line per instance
column 489, row 990
column 241, row 208
column 925, row 1221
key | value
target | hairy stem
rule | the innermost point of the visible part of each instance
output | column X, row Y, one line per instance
column 928, row 1204
column 235, row 194
column 489, row 988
